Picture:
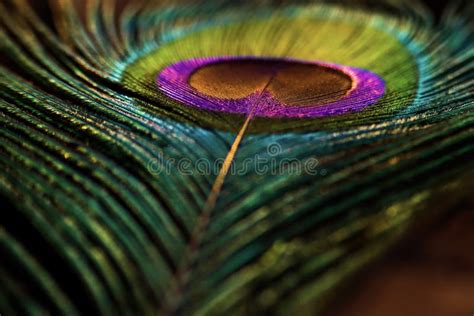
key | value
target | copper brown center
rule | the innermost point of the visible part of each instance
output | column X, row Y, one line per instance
column 291, row 83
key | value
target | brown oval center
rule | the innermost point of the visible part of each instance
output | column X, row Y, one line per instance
column 291, row 83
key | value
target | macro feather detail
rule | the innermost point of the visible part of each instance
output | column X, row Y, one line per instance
column 130, row 188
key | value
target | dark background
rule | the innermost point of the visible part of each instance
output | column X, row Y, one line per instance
column 436, row 6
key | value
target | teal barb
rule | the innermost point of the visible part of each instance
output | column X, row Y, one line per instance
column 120, row 199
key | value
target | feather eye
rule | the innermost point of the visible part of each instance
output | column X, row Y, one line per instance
column 283, row 34
column 212, row 158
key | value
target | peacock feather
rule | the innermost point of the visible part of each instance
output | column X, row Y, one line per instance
column 220, row 157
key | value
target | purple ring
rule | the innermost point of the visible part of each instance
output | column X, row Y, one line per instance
column 173, row 81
